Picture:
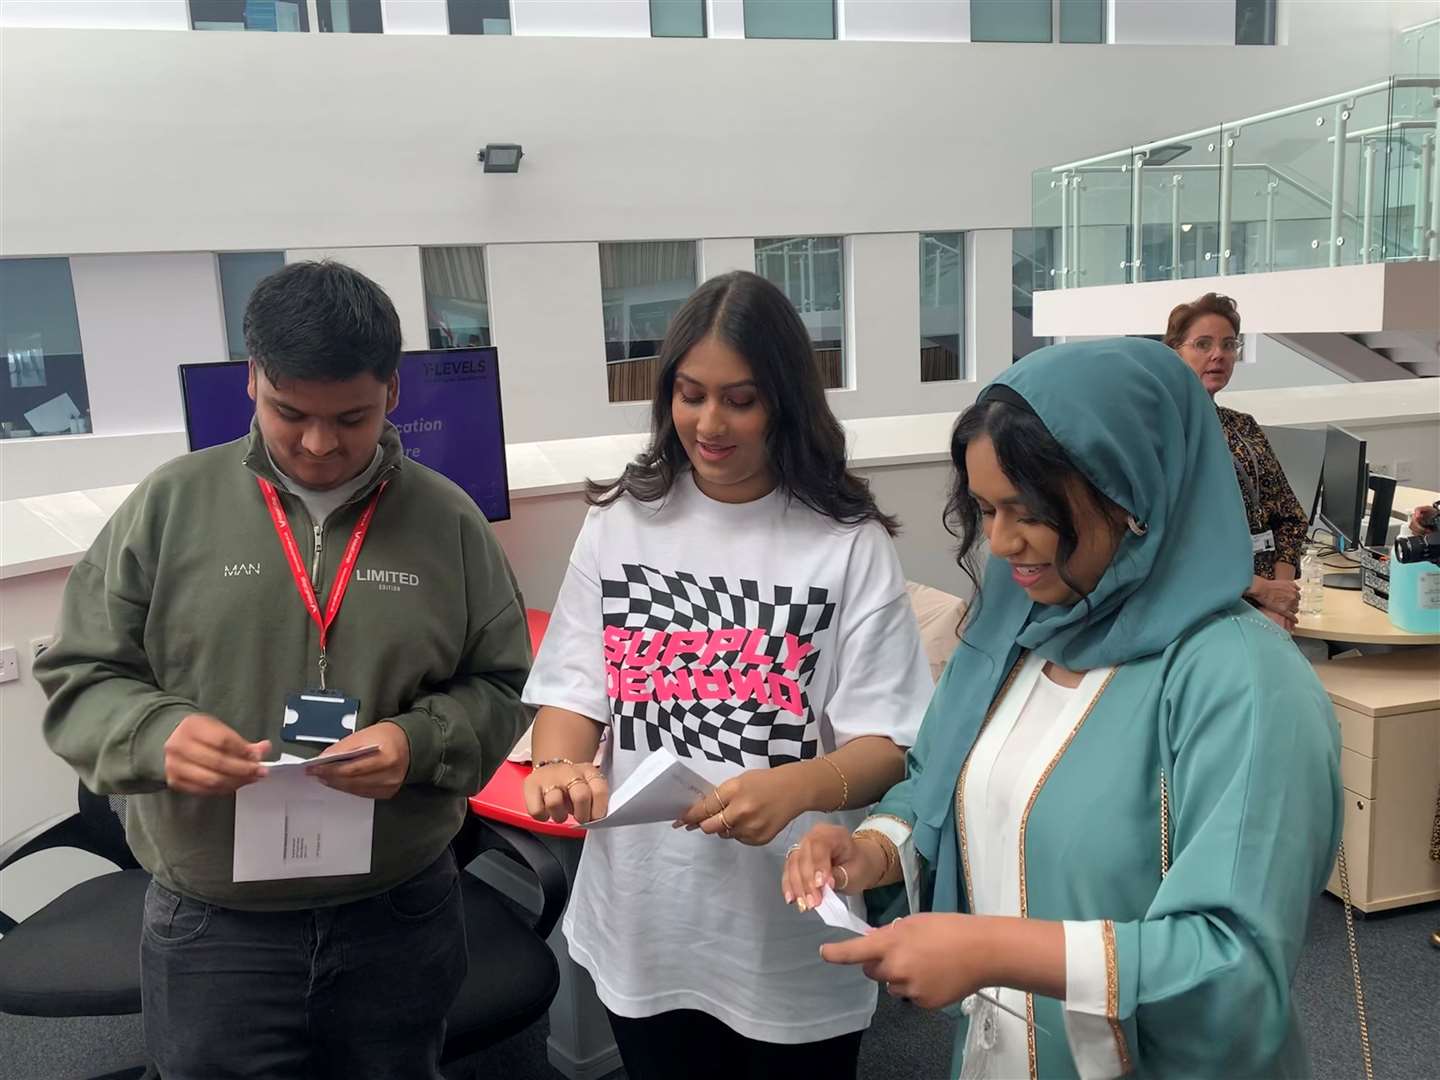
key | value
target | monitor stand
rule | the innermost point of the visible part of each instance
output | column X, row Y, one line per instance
column 1349, row 579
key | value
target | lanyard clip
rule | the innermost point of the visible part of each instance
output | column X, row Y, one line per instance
column 324, row 664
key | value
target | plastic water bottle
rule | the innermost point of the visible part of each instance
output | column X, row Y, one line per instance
column 1312, row 585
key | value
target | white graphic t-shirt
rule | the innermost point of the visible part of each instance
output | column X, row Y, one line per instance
column 739, row 636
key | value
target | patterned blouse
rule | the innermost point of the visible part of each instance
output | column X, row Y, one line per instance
column 1269, row 501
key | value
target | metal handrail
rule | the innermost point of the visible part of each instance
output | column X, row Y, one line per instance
column 1134, row 160
column 1397, row 82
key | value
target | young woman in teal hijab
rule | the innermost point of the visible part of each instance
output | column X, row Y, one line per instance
column 1126, row 791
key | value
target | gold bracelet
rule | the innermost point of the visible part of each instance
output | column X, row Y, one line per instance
column 887, row 848
column 555, row 761
column 844, row 784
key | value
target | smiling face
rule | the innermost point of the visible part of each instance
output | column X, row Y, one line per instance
column 721, row 422
column 1211, row 348
column 1031, row 546
column 322, row 434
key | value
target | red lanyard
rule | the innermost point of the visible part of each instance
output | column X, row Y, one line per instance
column 297, row 564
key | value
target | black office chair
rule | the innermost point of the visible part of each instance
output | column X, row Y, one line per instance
column 79, row 955
column 513, row 976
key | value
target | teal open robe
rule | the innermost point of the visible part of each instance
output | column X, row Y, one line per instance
column 1210, row 703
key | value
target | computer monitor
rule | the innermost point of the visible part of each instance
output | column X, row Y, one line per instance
column 1343, row 487
column 1301, row 453
column 449, row 416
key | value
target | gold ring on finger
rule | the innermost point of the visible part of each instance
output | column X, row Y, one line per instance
column 577, row 780
column 846, row 873
column 791, row 850
column 725, row 822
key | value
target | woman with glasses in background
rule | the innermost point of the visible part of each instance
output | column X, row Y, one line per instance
column 1206, row 334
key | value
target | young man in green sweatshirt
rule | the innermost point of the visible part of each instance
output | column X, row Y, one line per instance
column 189, row 631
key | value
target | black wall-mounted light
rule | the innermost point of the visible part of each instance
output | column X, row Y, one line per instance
column 501, row 157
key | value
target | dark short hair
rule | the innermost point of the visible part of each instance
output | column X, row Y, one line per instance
column 804, row 441
column 1183, row 316
column 321, row 322
column 1044, row 476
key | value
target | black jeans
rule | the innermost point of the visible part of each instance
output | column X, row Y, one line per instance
column 697, row 1046
column 355, row 991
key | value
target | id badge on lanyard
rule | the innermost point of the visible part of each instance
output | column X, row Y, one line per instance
column 325, row 715
column 1263, row 541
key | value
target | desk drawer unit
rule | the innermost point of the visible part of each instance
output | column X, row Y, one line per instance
column 1388, row 708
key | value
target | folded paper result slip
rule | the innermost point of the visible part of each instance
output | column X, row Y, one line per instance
column 661, row 789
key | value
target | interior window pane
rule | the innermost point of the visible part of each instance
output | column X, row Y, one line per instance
column 942, row 306
column 457, row 310
column 270, row 15
column 479, row 16
column 677, row 18
column 1082, row 21
column 349, row 16
column 810, row 270
column 240, row 272
column 642, row 286
column 1254, row 22
column 790, row 18
column 1010, row 20
column 43, row 390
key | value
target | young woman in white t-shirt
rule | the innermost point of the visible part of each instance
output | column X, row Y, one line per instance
column 735, row 600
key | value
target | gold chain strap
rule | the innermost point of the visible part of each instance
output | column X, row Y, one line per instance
column 1355, row 966
column 1349, row 923
column 1164, row 826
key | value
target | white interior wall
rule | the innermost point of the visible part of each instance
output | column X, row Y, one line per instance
column 1150, row 22
column 415, row 16
column 546, row 321
column 34, row 784
column 394, row 269
column 1269, row 365
column 140, row 316
column 722, row 256
column 97, row 14
column 883, row 320
column 30, row 467
column 885, row 137
column 581, row 18
column 725, row 18
column 906, row 20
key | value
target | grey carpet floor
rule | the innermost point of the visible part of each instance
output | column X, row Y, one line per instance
column 1402, row 981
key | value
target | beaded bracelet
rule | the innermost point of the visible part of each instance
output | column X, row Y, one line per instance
column 555, row 761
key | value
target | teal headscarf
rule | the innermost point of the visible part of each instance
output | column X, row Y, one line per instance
column 1137, row 422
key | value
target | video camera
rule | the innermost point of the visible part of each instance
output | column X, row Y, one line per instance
column 1423, row 548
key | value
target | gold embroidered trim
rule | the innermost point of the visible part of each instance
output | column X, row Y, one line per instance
column 890, row 817
column 1112, row 995
column 965, row 769
column 1024, row 825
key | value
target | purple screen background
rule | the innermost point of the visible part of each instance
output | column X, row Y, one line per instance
column 449, row 416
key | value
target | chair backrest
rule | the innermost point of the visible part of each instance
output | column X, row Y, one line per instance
column 940, row 616
column 104, row 819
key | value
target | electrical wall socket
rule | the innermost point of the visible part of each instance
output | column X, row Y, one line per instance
column 39, row 645
column 9, row 664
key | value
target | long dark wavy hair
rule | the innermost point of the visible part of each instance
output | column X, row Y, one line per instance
column 804, row 441
column 1043, row 474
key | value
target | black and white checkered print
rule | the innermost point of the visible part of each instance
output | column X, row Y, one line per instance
column 749, row 733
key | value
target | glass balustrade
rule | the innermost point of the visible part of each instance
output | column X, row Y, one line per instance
column 1349, row 179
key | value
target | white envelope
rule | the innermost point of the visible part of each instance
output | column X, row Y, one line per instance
column 290, row 825
column 662, row 789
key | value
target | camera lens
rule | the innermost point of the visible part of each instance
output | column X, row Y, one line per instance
column 1413, row 549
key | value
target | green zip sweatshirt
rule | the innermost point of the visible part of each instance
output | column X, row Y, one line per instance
column 185, row 603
